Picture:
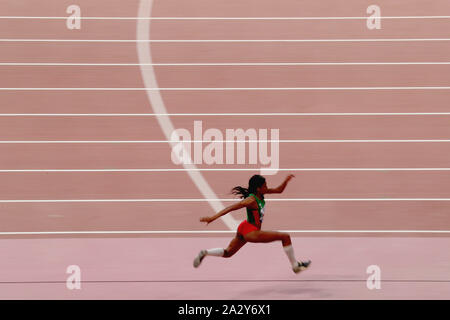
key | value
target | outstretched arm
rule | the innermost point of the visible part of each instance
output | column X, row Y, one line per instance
column 241, row 204
column 282, row 186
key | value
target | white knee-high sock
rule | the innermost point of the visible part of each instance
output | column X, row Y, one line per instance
column 218, row 252
column 290, row 254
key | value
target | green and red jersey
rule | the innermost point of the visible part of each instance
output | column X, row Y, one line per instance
column 255, row 217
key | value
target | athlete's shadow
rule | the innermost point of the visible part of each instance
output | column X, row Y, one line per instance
column 288, row 290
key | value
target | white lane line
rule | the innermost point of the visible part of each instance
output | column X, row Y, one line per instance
column 228, row 89
column 45, row 64
column 224, row 18
column 217, row 232
column 218, row 141
column 157, row 103
column 224, row 40
column 270, row 114
column 218, row 170
column 217, row 200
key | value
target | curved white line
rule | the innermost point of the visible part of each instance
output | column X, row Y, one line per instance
column 157, row 103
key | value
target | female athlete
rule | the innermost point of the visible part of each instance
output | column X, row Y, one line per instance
column 250, row 230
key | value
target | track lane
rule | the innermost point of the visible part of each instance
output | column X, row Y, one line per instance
column 157, row 156
column 145, row 128
column 226, row 29
column 300, row 76
column 297, row 29
column 227, row 76
column 179, row 216
column 222, row 8
column 290, row 8
column 48, row 8
column 142, row 185
column 389, row 101
column 213, row 52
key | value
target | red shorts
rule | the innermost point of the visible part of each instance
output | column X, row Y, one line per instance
column 246, row 227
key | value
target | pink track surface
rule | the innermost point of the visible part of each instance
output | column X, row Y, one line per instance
column 159, row 265
column 412, row 268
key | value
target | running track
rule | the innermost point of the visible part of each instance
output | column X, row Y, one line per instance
column 372, row 150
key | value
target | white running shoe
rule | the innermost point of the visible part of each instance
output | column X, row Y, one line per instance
column 301, row 266
column 199, row 258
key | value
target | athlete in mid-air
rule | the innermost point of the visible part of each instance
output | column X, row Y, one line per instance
column 250, row 230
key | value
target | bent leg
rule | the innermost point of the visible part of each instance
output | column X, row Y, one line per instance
column 270, row 236
column 234, row 246
column 259, row 236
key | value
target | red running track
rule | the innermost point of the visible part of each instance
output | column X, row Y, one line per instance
column 117, row 264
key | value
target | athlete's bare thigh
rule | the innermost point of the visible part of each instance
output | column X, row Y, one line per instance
column 265, row 236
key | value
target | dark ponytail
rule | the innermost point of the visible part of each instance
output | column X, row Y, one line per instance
column 255, row 182
column 242, row 192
